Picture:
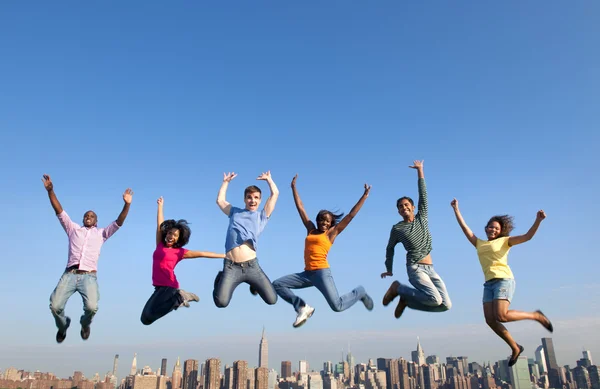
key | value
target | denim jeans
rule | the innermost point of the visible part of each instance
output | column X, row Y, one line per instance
column 322, row 280
column 430, row 294
column 499, row 289
column 164, row 300
column 87, row 286
column 234, row 274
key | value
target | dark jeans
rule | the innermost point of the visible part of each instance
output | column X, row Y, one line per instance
column 234, row 274
column 164, row 300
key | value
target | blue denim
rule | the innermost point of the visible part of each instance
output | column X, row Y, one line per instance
column 164, row 300
column 498, row 289
column 430, row 294
column 87, row 286
column 234, row 274
column 322, row 280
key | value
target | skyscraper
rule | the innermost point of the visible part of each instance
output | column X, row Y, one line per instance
column 540, row 359
column 551, row 364
column 418, row 356
column 594, row 377
column 587, row 354
column 519, row 374
column 163, row 367
column 286, row 369
column 115, row 363
column 190, row 374
column 582, row 377
column 212, row 377
column 176, row 377
column 134, row 365
column 262, row 378
column 303, row 367
column 240, row 375
column 263, row 351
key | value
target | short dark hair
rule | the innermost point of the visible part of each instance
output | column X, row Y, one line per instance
column 506, row 224
column 404, row 198
column 252, row 189
column 335, row 217
column 181, row 225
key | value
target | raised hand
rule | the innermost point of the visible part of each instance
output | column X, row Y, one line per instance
column 541, row 215
column 265, row 176
column 128, row 196
column 454, row 203
column 386, row 274
column 367, row 190
column 160, row 201
column 47, row 182
column 417, row 165
column 294, row 181
column 227, row 177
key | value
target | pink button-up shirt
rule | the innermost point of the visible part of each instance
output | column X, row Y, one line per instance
column 85, row 243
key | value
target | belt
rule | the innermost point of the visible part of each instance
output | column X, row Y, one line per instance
column 75, row 270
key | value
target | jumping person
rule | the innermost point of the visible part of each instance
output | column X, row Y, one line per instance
column 171, row 236
column 499, row 286
column 241, row 243
column 317, row 273
column 85, row 243
column 430, row 292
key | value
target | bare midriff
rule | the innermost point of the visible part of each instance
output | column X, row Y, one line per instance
column 242, row 253
column 426, row 261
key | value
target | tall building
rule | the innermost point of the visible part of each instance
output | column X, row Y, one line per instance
column 163, row 367
column 286, row 369
column 428, row 377
column 190, row 374
column 582, row 378
column 272, row 378
column 327, row 367
column 418, row 356
column 228, row 378
column 430, row 360
column 519, row 374
column 261, row 378
column 176, row 378
column 549, row 354
column 587, row 354
column 134, row 365
column 303, row 367
column 263, row 351
column 145, row 382
column 212, row 375
column 115, row 363
column 594, row 377
column 540, row 359
column 240, row 375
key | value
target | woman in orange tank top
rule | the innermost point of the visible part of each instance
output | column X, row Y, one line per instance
column 316, row 268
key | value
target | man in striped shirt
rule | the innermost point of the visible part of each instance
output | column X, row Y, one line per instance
column 429, row 292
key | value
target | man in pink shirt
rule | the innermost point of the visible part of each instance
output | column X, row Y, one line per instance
column 85, row 243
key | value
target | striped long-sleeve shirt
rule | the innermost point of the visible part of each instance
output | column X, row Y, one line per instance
column 414, row 236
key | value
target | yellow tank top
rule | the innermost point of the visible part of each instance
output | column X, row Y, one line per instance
column 316, row 247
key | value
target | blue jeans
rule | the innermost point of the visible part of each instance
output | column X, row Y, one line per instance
column 87, row 286
column 164, row 300
column 430, row 294
column 322, row 280
column 499, row 289
column 234, row 274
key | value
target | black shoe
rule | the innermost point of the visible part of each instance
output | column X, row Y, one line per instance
column 514, row 360
column 85, row 332
column 547, row 326
column 61, row 335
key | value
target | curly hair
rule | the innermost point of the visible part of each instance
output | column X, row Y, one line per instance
column 404, row 198
column 506, row 224
column 335, row 217
column 181, row 225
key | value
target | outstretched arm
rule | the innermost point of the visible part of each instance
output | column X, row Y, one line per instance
column 160, row 218
column 338, row 228
column 422, row 206
column 272, row 200
column 300, row 207
column 53, row 199
column 221, row 201
column 202, row 254
column 514, row 240
column 127, row 197
column 461, row 222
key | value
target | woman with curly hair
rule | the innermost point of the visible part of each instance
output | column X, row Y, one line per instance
column 171, row 236
column 499, row 285
column 319, row 239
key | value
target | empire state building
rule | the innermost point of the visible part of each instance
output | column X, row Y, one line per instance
column 263, row 351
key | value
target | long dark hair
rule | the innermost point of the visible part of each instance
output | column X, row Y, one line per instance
column 506, row 224
column 181, row 225
column 335, row 217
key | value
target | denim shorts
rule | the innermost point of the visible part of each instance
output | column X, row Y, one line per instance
column 498, row 289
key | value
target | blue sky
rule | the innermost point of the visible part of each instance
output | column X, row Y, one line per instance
column 500, row 100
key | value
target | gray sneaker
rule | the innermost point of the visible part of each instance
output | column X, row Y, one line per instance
column 368, row 301
column 187, row 297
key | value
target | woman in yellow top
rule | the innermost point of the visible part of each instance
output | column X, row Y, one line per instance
column 499, row 285
column 316, row 271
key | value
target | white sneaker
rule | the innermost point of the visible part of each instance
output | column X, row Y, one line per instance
column 187, row 297
column 305, row 312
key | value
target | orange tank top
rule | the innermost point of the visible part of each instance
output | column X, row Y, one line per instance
column 316, row 247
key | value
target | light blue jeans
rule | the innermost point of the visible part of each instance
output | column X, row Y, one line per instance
column 87, row 286
column 430, row 292
column 322, row 280
column 234, row 274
